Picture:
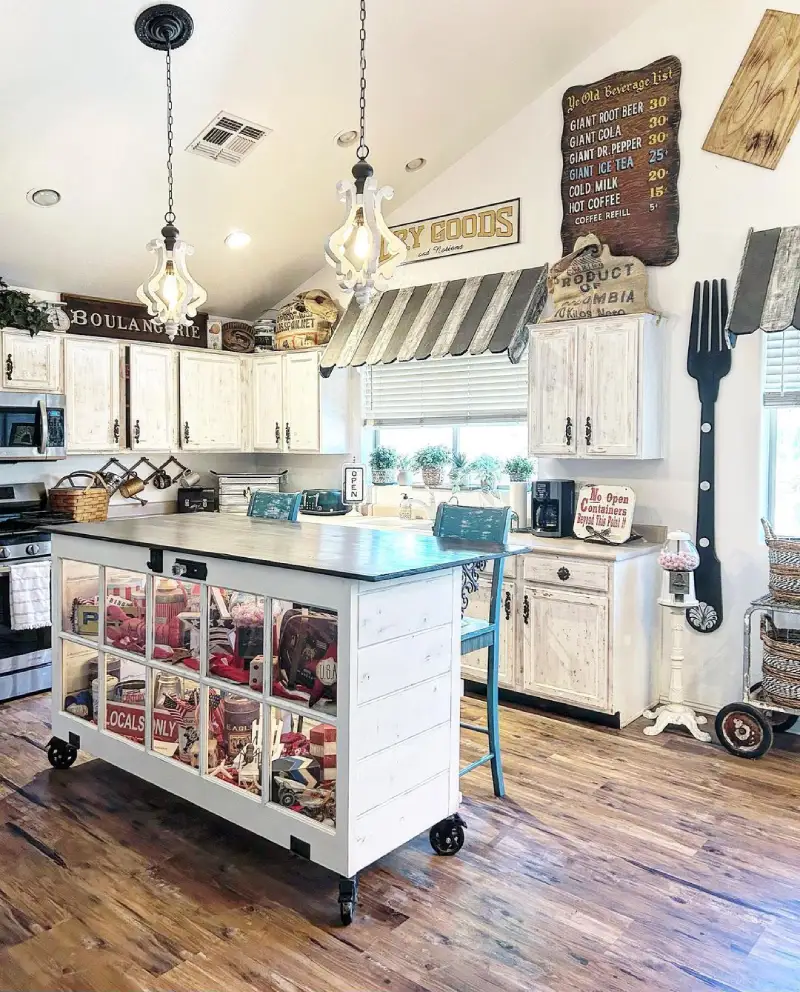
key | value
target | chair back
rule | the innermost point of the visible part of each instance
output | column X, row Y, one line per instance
column 269, row 505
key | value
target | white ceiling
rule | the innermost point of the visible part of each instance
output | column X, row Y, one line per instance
column 82, row 110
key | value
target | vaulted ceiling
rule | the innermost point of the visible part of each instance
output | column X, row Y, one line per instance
column 82, row 110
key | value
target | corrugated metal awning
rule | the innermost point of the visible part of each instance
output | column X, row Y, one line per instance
column 767, row 295
column 483, row 313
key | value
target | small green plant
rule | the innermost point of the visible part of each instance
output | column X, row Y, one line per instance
column 519, row 468
column 458, row 472
column 383, row 457
column 487, row 468
column 432, row 456
column 17, row 309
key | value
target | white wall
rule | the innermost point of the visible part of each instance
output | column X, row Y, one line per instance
column 720, row 199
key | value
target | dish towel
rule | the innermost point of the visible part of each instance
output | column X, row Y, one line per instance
column 30, row 595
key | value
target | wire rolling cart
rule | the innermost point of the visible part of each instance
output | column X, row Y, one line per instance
column 747, row 729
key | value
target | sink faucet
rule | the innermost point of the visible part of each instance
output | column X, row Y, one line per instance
column 454, row 500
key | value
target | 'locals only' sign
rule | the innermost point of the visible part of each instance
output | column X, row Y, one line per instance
column 129, row 321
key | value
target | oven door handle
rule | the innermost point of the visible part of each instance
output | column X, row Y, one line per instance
column 43, row 426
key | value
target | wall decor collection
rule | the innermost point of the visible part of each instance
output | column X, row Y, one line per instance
column 621, row 162
column 760, row 110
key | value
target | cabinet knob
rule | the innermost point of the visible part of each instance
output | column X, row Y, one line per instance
column 277, row 433
column 568, row 431
column 563, row 573
column 116, row 431
column 137, row 432
column 588, row 430
column 507, row 605
column 9, row 366
column 526, row 609
column 186, row 432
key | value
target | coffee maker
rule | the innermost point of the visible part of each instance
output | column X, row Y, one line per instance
column 552, row 507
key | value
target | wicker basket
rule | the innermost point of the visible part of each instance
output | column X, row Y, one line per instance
column 781, row 663
column 784, row 565
column 84, row 505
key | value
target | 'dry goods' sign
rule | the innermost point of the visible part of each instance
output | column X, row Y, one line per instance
column 621, row 161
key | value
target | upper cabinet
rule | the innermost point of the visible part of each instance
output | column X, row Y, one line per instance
column 92, row 375
column 211, row 398
column 153, row 396
column 31, row 363
column 595, row 388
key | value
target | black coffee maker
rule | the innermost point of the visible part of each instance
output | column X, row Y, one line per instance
column 552, row 508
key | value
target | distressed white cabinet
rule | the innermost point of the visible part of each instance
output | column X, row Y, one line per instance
column 596, row 388
column 153, row 417
column 301, row 401
column 92, row 381
column 473, row 665
column 267, row 402
column 31, row 363
column 211, row 398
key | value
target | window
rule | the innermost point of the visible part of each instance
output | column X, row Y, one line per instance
column 782, row 400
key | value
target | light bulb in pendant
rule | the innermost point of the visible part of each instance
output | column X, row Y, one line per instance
column 171, row 296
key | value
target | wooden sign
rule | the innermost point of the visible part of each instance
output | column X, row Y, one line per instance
column 306, row 321
column 762, row 105
column 492, row 226
column 591, row 282
column 129, row 321
column 604, row 513
column 621, row 162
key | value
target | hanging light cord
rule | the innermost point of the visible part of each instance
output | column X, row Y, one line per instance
column 169, row 216
column 363, row 148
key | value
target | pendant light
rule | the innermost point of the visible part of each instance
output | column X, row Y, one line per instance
column 363, row 250
column 171, row 295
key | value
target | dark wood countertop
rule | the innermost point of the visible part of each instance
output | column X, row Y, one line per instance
column 349, row 552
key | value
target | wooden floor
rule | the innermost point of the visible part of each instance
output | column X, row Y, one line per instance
column 617, row 863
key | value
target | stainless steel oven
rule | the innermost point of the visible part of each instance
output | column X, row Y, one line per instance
column 25, row 662
column 33, row 426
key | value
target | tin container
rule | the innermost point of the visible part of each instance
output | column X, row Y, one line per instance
column 239, row 717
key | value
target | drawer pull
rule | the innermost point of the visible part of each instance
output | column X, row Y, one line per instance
column 507, row 605
column 526, row 609
column 563, row 573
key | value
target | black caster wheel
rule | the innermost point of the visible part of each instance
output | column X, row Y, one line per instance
column 781, row 723
column 744, row 731
column 348, row 891
column 447, row 836
column 60, row 754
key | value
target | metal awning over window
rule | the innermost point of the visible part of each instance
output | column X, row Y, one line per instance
column 463, row 316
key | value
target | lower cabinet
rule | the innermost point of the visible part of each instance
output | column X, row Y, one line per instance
column 474, row 664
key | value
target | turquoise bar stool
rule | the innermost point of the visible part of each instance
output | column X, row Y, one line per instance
column 269, row 505
column 489, row 525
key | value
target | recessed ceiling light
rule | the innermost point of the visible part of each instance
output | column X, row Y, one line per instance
column 416, row 164
column 237, row 239
column 44, row 197
column 345, row 138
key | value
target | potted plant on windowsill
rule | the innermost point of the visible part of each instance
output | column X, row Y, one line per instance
column 432, row 460
column 459, row 473
column 405, row 464
column 383, row 462
column 519, row 468
column 487, row 468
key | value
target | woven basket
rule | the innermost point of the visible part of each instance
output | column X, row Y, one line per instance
column 84, row 505
column 784, row 565
column 781, row 663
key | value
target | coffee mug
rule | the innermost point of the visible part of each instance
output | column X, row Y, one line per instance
column 189, row 478
column 161, row 480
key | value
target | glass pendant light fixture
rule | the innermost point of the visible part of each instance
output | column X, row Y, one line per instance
column 171, row 295
column 363, row 250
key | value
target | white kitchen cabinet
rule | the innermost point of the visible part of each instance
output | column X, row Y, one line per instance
column 153, row 418
column 301, row 390
column 92, row 383
column 474, row 664
column 31, row 363
column 267, row 402
column 596, row 388
column 211, row 398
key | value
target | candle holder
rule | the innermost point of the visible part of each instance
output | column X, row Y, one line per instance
column 678, row 558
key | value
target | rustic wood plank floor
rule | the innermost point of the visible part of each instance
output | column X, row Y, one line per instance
column 618, row 862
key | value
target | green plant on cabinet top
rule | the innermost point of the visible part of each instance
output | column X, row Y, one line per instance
column 21, row 311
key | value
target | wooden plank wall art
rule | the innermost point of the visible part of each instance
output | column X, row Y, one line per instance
column 621, row 161
column 767, row 294
column 762, row 105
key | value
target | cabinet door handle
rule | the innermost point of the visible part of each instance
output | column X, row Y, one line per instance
column 563, row 573
column 507, row 605
column 588, row 430
column 116, row 431
column 526, row 609
column 186, row 432
column 9, row 366
column 277, row 434
column 568, row 431
column 137, row 432
column 288, row 435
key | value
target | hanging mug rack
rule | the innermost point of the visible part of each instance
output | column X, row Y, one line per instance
column 128, row 483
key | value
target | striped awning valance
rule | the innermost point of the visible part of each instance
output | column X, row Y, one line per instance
column 463, row 316
column 767, row 295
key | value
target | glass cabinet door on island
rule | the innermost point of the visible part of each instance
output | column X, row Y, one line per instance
column 126, row 610
column 80, row 598
column 303, row 766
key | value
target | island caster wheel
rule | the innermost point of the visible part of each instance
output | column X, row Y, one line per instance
column 781, row 723
column 348, row 891
column 744, row 731
column 60, row 754
column 447, row 836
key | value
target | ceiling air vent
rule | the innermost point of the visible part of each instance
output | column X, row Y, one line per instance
column 228, row 139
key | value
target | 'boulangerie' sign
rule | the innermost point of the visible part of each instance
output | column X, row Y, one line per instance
column 604, row 513
column 129, row 321
column 492, row 226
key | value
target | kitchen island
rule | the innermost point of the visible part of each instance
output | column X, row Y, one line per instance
column 300, row 681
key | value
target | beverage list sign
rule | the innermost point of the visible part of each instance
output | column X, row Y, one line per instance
column 621, row 162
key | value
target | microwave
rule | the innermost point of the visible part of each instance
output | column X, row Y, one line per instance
column 32, row 426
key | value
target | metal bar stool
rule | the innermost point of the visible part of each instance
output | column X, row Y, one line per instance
column 268, row 505
column 490, row 525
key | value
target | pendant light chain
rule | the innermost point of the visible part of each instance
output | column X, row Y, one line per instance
column 169, row 216
column 363, row 148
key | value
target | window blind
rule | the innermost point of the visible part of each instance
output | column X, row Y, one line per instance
column 479, row 388
column 782, row 369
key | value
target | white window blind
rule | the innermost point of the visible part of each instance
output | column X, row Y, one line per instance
column 782, row 369
column 480, row 388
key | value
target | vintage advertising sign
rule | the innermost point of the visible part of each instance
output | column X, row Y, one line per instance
column 129, row 321
column 604, row 513
column 128, row 720
column 621, row 161
column 353, row 484
column 492, row 226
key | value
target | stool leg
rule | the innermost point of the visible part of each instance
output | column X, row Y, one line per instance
column 493, row 715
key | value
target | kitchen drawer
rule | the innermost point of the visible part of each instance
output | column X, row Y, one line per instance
column 509, row 572
column 574, row 573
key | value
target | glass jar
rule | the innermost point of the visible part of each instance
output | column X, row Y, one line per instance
column 678, row 553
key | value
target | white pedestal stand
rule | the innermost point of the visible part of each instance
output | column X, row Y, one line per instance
column 675, row 711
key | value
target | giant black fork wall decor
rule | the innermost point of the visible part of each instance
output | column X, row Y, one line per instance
column 708, row 361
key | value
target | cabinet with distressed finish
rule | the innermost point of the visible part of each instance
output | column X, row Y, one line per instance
column 31, row 363
column 267, row 402
column 92, row 380
column 211, row 399
column 153, row 419
column 473, row 665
